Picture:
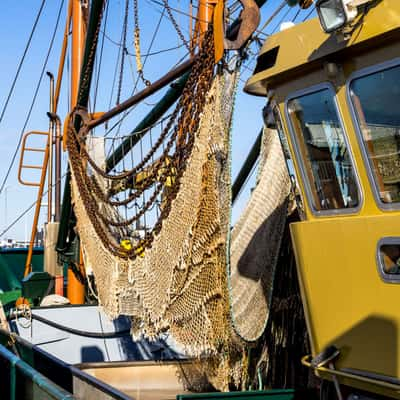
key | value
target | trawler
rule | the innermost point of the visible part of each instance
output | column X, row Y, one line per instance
column 297, row 300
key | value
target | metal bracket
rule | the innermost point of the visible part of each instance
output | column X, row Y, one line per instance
column 249, row 19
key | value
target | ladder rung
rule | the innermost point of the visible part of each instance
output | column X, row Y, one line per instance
column 32, row 166
column 34, row 149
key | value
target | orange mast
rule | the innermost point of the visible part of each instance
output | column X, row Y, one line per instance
column 75, row 289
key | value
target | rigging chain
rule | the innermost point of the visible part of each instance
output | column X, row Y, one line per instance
column 183, row 137
column 84, row 84
column 124, row 51
column 176, row 26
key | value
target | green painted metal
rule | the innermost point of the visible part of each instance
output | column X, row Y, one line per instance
column 9, row 298
column 273, row 394
column 8, row 279
column 67, row 220
column 292, row 3
column 246, row 167
column 25, row 381
column 36, row 285
column 12, row 264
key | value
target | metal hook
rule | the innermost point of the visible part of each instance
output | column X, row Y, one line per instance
column 249, row 19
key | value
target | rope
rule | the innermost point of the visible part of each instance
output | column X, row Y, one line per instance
column 22, row 60
column 105, row 335
column 138, row 56
column 26, row 210
column 126, row 113
column 33, row 100
column 274, row 14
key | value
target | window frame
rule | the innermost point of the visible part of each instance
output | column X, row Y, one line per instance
column 387, row 278
column 301, row 163
column 363, row 72
column 294, row 185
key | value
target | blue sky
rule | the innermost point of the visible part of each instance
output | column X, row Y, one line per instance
column 16, row 20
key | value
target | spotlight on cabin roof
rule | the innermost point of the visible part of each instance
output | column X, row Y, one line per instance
column 301, row 3
column 336, row 14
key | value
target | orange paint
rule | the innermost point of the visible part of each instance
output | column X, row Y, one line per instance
column 75, row 289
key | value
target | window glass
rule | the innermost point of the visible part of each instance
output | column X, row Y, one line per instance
column 324, row 152
column 389, row 259
column 376, row 100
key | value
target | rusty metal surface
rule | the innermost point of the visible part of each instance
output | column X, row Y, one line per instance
column 249, row 19
column 149, row 90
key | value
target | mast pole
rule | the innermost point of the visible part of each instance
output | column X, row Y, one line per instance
column 57, row 155
column 204, row 16
column 76, row 49
column 75, row 288
column 50, row 163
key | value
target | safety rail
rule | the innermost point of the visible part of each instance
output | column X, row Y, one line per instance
column 25, row 382
column 273, row 394
column 306, row 361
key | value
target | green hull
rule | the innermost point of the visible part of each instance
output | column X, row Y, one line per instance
column 12, row 266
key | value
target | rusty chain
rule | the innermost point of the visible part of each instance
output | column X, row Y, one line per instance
column 176, row 26
column 185, row 118
column 123, row 53
column 92, row 53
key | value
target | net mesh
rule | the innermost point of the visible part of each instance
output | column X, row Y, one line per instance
column 172, row 276
column 256, row 239
column 179, row 283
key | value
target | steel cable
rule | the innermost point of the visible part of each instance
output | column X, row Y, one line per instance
column 33, row 100
column 21, row 62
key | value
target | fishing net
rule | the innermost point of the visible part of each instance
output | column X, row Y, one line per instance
column 156, row 232
column 256, row 240
column 170, row 276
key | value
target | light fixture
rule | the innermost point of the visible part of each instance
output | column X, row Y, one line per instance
column 301, row 3
column 335, row 14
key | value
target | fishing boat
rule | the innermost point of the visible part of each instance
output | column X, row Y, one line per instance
column 183, row 305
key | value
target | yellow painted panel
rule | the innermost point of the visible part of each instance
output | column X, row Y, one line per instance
column 347, row 303
column 306, row 43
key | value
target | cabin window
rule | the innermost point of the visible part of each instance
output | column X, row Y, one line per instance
column 375, row 98
column 324, row 154
column 389, row 259
column 276, row 117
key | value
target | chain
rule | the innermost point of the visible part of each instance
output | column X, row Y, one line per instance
column 124, row 51
column 178, row 150
column 145, row 160
column 89, row 66
column 175, row 24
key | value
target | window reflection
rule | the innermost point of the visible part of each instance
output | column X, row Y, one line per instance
column 376, row 99
column 276, row 117
column 324, row 151
column 390, row 259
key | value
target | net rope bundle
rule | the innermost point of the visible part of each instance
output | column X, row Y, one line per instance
column 256, row 240
column 179, row 283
